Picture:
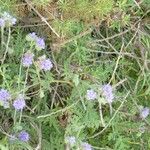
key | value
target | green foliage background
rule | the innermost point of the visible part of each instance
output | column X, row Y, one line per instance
column 115, row 49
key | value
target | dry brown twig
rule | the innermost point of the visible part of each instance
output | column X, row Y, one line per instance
column 41, row 17
column 71, row 39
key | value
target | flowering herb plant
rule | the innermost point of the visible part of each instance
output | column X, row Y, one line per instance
column 74, row 75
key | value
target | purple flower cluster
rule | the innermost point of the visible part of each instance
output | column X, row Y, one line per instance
column 144, row 112
column 19, row 103
column 23, row 136
column 71, row 140
column 91, row 94
column 31, row 37
column 86, row 146
column 38, row 42
column 27, row 59
column 44, row 63
column 4, row 95
column 108, row 93
column 4, row 98
column 7, row 20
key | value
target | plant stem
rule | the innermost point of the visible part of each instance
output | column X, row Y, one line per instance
column 101, row 113
column 25, row 80
column 7, row 45
column 2, row 37
column 20, row 117
column 15, row 118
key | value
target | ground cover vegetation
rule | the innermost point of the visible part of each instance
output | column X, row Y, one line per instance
column 74, row 74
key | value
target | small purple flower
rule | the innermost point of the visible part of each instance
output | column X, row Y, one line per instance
column 40, row 44
column 86, row 146
column 91, row 94
column 45, row 64
column 2, row 22
column 144, row 112
column 19, row 103
column 4, row 98
column 23, row 136
column 107, row 93
column 27, row 59
column 71, row 140
column 9, row 20
column 4, row 95
column 31, row 37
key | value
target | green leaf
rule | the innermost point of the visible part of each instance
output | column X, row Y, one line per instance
column 41, row 94
column 76, row 80
column 3, row 147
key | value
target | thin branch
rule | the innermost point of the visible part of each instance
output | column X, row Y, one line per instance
column 58, row 111
column 42, row 18
column 117, row 63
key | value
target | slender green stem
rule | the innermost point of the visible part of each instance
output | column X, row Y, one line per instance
column 111, row 109
column 20, row 68
column 20, row 117
column 58, row 111
column 7, row 45
column 2, row 37
column 38, row 74
column 4, row 77
column 101, row 113
column 24, row 91
column 15, row 117
column 25, row 82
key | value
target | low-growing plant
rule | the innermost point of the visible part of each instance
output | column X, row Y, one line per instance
column 85, row 90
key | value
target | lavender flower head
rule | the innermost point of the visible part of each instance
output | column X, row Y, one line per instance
column 9, row 20
column 4, row 98
column 19, row 103
column 71, row 140
column 91, row 94
column 45, row 64
column 86, row 146
column 4, row 95
column 40, row 44
column 27, row 59
column 2, row 22
column 144, row 112
column 31, row 37
column 107, row 93
column 23, row 136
